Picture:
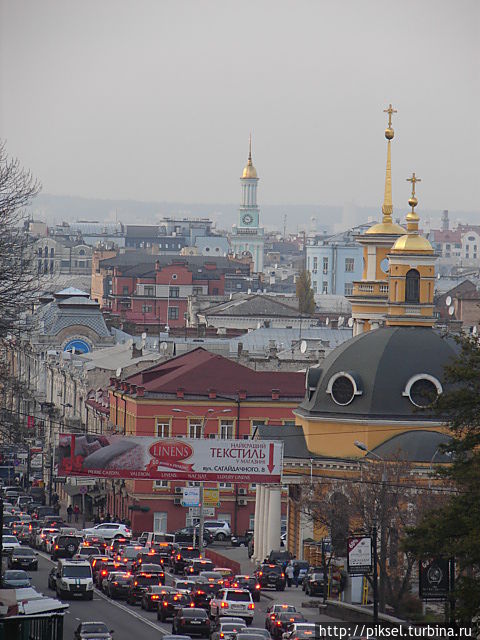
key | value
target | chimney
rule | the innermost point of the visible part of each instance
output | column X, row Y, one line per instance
column 212, row 393
column 275, row 394
column 180, row 392
column 157, row 265
column 242, row 394
column 140, row 392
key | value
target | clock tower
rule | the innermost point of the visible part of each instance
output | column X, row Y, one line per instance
column 247, row 236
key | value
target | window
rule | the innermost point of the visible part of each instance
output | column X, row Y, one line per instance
column 194, row 428
column 412, row 293
column 324, row 287
column 197, row 291
column 193, row 484
column 343, row 388
column 226, row 429
column 325, row 265
column 160, row 484
column 174, row 292
column 162, row 428
column 348, row 288
column 315, row 264
column 251, row 522
column 225, row 485
column 349, row 264
column 148, row 291
column 423, row 390
column 160, row 522
column 146, row 308
column 125, row 291
column 215, row 291
column 225, row 517
column 173, row 313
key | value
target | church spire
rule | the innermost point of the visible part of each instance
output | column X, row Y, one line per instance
column 387, row 207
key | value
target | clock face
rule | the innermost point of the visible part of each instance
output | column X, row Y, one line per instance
column 384, row 265
column 247, row 218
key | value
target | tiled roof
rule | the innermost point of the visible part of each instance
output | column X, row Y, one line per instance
column 199, row 371
column 256, row 305
column 446, row 236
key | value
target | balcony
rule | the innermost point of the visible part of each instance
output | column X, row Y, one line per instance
column 370, row 289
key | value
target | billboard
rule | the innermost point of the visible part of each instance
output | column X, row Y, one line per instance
column 191, row 497
column 211, row 497
column 434, row 579
column 360, row 555
column 145, row 457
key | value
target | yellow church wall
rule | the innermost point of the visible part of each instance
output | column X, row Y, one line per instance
column 382, row 253
column 336, row 439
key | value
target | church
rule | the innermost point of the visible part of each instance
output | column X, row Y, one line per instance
column 376, row 389
column 247, row 237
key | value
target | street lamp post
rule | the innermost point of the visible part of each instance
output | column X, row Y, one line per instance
column 201, row 525
column 363, row 447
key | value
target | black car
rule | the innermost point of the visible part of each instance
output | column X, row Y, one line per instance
column 152, row 596
column 117, row 584
column 250, row 583
column 195, row 566
column 314, row 584
column 97, row 630
column 149, row 557
column 191, row 621
column 65, row 546
column 282, row 621
column 170, row 603
column 181, row 557
column 16, row 580
column 242, row 540
column 189, row 535
column 271, row 576
column 203, row 592
column 140, row 583
column 23, row 558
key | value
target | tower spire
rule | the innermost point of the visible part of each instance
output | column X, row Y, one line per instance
column 412, row 216
column 250, row 149
column 387, row 207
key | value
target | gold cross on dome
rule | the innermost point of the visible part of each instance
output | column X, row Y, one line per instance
column 390, row 110
column 414, row 181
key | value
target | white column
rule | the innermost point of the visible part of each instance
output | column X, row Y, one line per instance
column 266, row 502
column 274, row 518
column 257, row 531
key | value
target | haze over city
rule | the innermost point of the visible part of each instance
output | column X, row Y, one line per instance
column 154, row 101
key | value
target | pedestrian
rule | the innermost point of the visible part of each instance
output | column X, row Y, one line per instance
column 289, row 574
column 296, row 573
column 69, row 513
column 76, row 512
column 107, row 517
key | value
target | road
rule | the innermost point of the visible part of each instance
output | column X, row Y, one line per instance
column 126, row 620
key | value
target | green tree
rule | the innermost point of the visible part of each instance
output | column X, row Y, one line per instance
column 306, row 301
column 453, row 529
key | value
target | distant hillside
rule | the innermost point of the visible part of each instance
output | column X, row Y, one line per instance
column 55, row 209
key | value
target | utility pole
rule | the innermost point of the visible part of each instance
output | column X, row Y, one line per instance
column 325, row 579
column 1, row 542
column 375, row 575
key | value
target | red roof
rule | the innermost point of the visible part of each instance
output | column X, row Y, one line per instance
column 200, row 372
column 447, row 236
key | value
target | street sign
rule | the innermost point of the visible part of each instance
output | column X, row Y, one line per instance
column 191, row 497
column 208, row 512
column 83, row 490
column 36, row 458
column 360, row 555
column 193, row 459
column 434, row 579
column 211, row 497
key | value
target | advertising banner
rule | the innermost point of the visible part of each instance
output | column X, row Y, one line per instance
column 434, row 579
column 191, row 497
column 211, row 497
column 36, row 458
column 360, row 555
column 145, row 457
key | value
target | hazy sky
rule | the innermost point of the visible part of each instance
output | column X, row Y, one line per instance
column 154, row 100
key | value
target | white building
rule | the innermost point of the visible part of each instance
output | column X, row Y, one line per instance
column 247, row 236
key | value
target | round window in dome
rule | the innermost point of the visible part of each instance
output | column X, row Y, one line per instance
column 343, row 388
column 423, row 390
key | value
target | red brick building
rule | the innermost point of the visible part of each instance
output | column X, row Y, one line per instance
column 174, row 398
column 147, row 289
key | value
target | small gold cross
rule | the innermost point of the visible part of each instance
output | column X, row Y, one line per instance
column 390, row 110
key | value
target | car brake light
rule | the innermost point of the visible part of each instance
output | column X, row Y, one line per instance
column 192, row 604
column 155, row 597
column 251, row 605
column 135, row 584
column 283, row 575
column 115, row 584
column 179, row 557
column 272, row 616
column 56, row 546
column 257, row 586
column 222, row 635
column 104, row 573
column 260, row 573
column 279, row 624
column 224, row 605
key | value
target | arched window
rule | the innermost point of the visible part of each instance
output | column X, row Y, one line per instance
column 45, row 252
column 52, row 252
column 412, row 286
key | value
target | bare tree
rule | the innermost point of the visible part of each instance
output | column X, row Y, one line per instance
column 389, row 497
column 18, row 280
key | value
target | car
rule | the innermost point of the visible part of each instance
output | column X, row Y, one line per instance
column 195, row 566
column 90, row 630
column 74, row 577
column 219, row 529
column 65, row 546
column 227, row 574
column 149, row 557
column 227, row 630
column 97, row 562
column 257, row 631
column 271, row 576
column 109, row 530
column 283, row 620
column 303, row 567
column 153, row 568
column 192, row 621
column 273, row 610
column 9, row 543
column 233, row 601
column 189, row 535
column 248, row 582
column 183, row 584
column 170, row 603
column 15, row 579
column 175, row 637
column 279, row 557
column 242, row 540
column 248, row 635
column 203, row 592
column 314, row 584
column 117, row 584
column 85, row 551
column 115, row 545
column 152, row 596
column 23, row 558
column 128, row 555
column 140, row 583
column 102, row 575
column 304, row 628
column 180, row 558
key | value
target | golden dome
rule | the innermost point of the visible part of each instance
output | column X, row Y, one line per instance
column 412, row 243
column 249, row 171
column 386, row 228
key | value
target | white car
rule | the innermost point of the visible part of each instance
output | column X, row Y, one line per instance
column 219, row 529
column 233, row 602
column 109, row 530
column 10, row 543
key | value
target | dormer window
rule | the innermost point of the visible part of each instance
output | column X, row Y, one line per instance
column 343, row 388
